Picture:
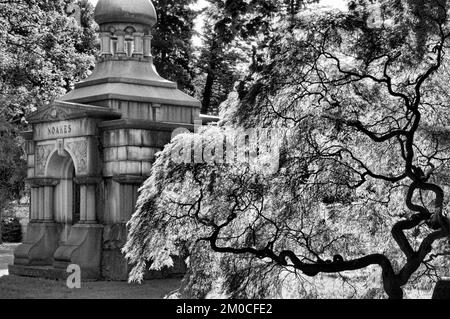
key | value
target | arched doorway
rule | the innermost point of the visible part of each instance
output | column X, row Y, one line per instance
column 67, row 193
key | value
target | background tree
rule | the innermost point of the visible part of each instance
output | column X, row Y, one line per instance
column 45, row 46
column 361, row 175
column 230, row 27
column 236, row 36
column 42, row 52
column 13, row 167
column 172, row 41
column 217, row 62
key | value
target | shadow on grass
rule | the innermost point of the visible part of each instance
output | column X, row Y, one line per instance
column 13, row 287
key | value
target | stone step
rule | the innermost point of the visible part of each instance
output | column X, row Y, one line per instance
column 45, row 272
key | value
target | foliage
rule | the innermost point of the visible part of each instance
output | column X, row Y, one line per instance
column 11, row 230
column 236, row 36
column 13, row 167
column 42, row 52
column 171, row 42
column 12, row 164
column 362, row 161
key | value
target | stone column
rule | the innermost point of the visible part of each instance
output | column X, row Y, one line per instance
column 88, row 197
column 157, row 114
column 129, row 187
column 34, row 210
column 120, row 43
column 148, row 46
column 49, row 213
column 42, row 199
column 138, row 45
column 105, row 43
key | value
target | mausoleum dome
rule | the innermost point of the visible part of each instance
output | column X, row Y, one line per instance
column 124, row 72
column 125, row 11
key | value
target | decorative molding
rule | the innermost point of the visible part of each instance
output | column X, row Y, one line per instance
column 53, row 113
column 61, row 111
column 41, row 156
column 79, row 150
column 129, row 179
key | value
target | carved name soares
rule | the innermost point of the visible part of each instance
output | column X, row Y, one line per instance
column 59, row 129
column 65, row 129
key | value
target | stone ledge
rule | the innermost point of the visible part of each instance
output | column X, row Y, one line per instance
column 45, row 272
column 143, row 124
column 126, row 80
column 129, row 179
column 42, row 182
column 38, row 272
column 88, row 180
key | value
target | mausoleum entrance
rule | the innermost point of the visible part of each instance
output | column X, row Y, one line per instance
column 66, row 202
column 65, row 177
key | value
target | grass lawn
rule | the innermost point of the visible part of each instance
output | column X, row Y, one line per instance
column 13, row 287
column 6, row 257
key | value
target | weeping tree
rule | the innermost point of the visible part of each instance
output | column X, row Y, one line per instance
column 356, row 113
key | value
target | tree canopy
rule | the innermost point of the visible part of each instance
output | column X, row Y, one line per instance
column 172, row 41
column 43, row 51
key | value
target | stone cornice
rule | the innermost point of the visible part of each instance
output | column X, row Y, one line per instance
column 142, row 124
column 127, row 81
column 87, row 180
column 27, row 135
column 129, row 179
column 61, row 111
column 43, row 182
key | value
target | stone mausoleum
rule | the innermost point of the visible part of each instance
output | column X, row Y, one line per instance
column 89, row 152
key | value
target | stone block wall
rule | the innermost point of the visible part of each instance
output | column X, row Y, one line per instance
column 131, row 151
column 153, row 111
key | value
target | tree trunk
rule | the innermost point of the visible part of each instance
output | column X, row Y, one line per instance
column 207, row 93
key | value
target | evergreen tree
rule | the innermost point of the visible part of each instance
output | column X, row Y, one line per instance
column 216, row 66
column 171, row 42
column 236, row 37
